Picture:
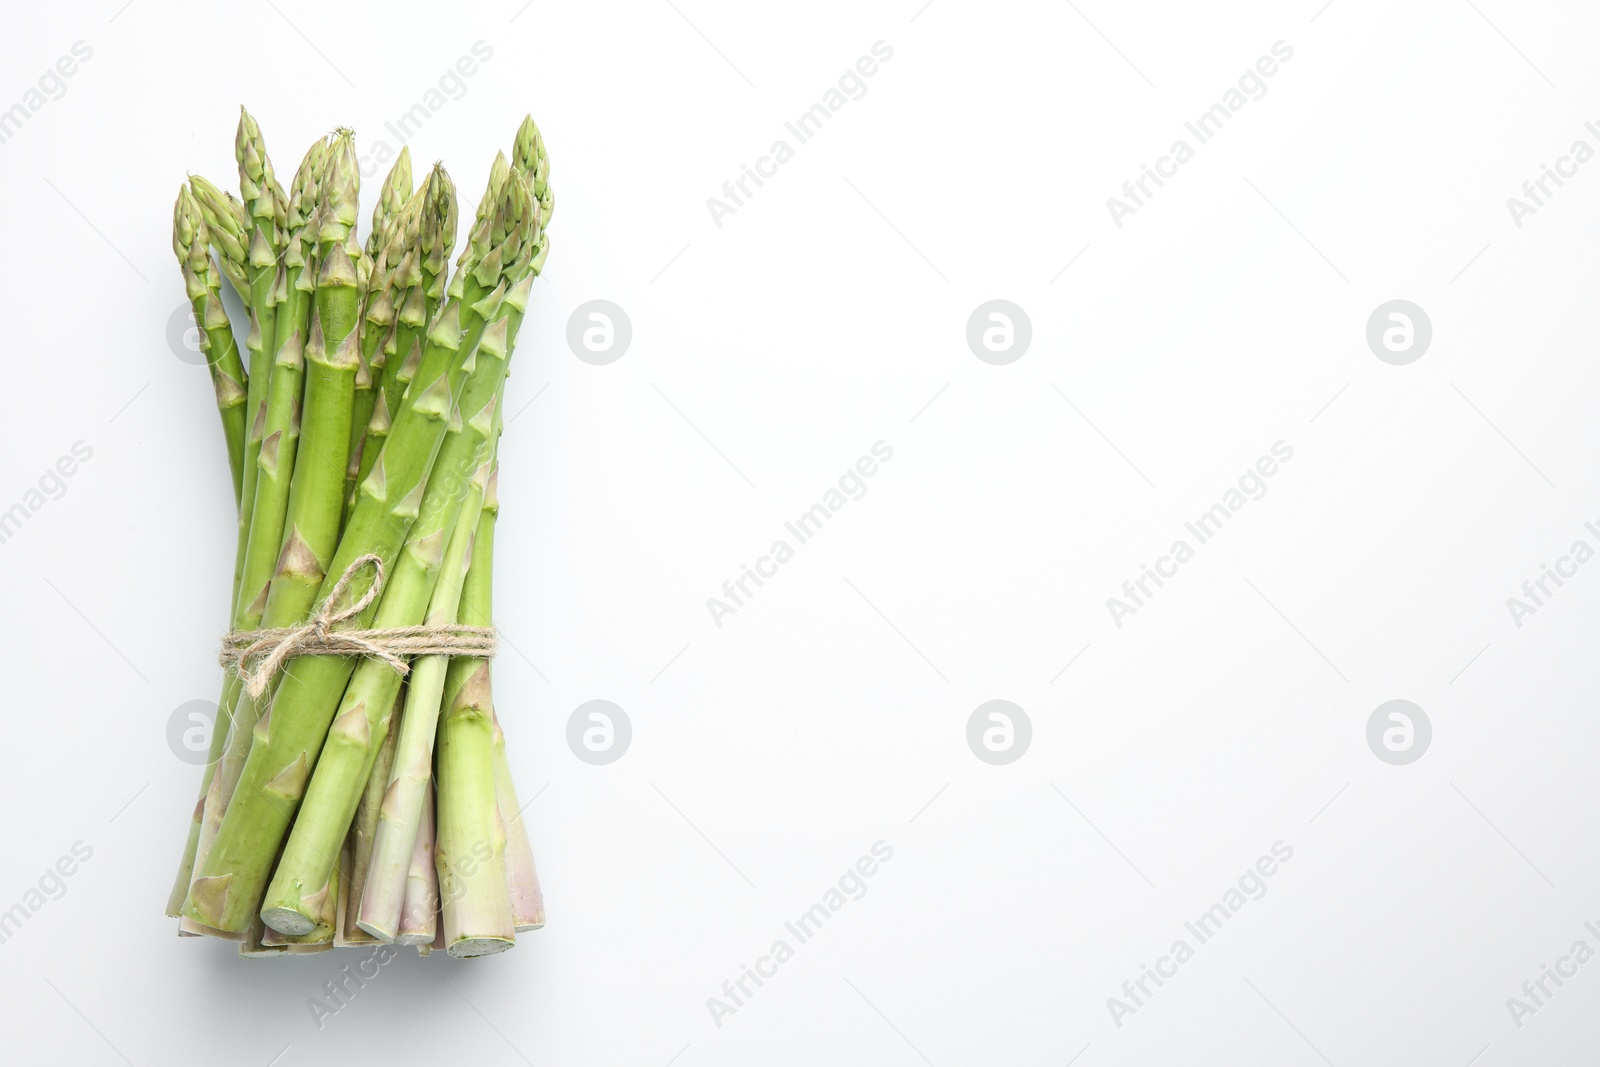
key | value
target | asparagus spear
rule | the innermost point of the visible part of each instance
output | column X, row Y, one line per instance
column 227, row 372
column 483, row 908
column 419, row 918
column 413, row 298
column 360, row 841
column 278, row 417
column 438, row 242
column 527, row 900
column 342, row 901
column 190, row 235
column 287, row 744
column 383, row 896
column 402, row 349
column 396, row 262
column 385, row 246
column 470, row 849
column 409, row 776
column 331, row 174
column 266, row 204
column 291, row 288
column 315, row 488
column 316, row 494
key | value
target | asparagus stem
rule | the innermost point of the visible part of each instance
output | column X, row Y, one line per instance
column 290, row 946
column 527, row 900
column 419, row 916
column 383, row 897
column 254, row 945
column 471, row 851
column 189, row 928
column 362, row 831
column 189, row 243
column 341, row 906
column 316, row 490
column 327, row 174
column 275, row 775
column 281, row 418
column 266, row 204
column 233, row 401
column 316, row 494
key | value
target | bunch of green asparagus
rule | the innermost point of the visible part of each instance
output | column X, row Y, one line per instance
column 351, row 805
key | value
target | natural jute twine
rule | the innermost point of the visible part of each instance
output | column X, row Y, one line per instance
column 259, row 655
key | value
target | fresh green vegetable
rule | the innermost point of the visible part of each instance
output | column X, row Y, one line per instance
column 365, row 425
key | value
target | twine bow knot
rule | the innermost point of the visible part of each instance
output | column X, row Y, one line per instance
column 259, row 655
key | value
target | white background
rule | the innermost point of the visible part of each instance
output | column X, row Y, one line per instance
column 830, row 712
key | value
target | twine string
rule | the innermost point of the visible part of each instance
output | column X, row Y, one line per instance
column 258, row 655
